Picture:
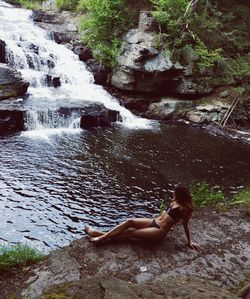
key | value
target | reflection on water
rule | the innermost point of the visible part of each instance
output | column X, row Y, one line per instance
column 50, row 189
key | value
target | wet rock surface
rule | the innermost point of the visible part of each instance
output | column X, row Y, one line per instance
column 11, row 83
column 98, row 116
column 2, row 51
column 224, row 237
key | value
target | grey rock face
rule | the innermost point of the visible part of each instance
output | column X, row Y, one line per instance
column 11, row 83
column 146, row 21
column 142, row 67
column 101, row 73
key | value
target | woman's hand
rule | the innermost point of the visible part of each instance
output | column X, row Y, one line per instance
column 194, row 246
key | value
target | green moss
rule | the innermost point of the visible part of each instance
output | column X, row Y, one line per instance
column 19, row 254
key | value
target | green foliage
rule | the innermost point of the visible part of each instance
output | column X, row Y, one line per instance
column 172, row 15
column 17, row 255
column 31, row 4
column 243, row 197
column 208, row 58
column 238, row 67
column 105, row 22
column 164, row 204
column 81, row 6
column 70, row 5
column 204, row 195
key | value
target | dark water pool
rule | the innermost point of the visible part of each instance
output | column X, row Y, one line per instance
column 51, row 188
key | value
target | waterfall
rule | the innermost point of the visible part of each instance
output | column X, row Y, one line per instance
column 31, row 51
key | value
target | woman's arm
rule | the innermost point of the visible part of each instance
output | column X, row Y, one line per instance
column 191, row 244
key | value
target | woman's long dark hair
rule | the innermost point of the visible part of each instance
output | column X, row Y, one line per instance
column 184, row 198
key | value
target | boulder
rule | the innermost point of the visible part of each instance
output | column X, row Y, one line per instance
column 141, row 67
column 100, row 72
column 98, row 116
column 147, row 21
column 62, row 37
column 53, row 81
column 2, row 51
column 123, row 79
column 11, row 121
column 11, row 83
column 83, row 52
column 167, row 108
column 45, row 16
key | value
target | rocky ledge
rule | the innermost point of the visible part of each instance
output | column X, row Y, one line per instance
column 16, row 114
column 11, row 83
column 145, row 270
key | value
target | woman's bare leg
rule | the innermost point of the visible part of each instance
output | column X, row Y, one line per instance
column 137, row 223
column 147, row 234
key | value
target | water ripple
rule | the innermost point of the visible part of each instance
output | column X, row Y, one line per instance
column 50, row 191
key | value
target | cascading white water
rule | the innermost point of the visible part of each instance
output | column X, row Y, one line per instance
column 31, row 51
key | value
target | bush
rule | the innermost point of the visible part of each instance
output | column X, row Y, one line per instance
column 31, row 4
column 238, row 68
column 103, row 26
column 204, row 195
column 70, row 5
column 243, row 197
column 208, row 58
column 18, row 255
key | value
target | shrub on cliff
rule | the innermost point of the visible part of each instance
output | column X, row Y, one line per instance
column 103, row 26
column 30, row 4
column 70, row 5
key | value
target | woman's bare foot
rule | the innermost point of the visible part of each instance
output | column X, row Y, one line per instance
column 91, row 232
column 96, row 240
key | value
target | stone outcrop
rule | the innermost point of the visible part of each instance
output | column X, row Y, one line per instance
column 83, row 52
column 142, row 67
column 98, row 116
column 14, row 113
column 11, row 83
column 62, row 26
column 224, row 262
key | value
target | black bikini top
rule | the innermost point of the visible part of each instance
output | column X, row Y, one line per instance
column 174, row 213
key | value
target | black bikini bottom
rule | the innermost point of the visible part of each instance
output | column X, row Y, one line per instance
column 154, row 224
